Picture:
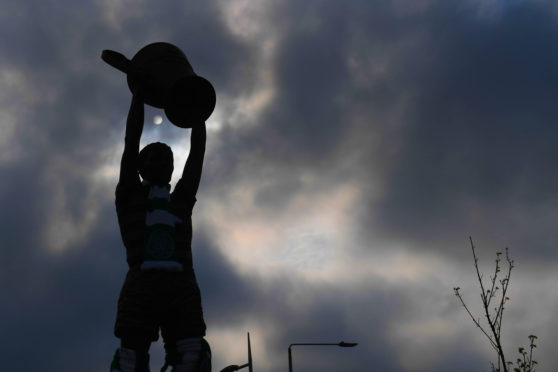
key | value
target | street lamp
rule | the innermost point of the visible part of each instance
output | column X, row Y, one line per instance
column 340, row 344
column 234, row 367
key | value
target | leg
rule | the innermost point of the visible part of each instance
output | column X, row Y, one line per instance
column 182, row 325
column 135, row 325
column 138, row 342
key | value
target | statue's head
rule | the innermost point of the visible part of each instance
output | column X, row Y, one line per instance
column 155, row 163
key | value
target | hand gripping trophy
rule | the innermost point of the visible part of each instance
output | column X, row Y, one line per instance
column 160, row 291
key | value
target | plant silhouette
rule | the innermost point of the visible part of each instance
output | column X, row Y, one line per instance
column 496, row 294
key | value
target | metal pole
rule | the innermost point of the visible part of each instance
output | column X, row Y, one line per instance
column 250, row 367
column 290, row 360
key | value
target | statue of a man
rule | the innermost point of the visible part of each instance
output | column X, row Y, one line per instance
column 160, row 291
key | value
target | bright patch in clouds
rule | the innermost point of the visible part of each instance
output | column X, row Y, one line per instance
column 70, row 221
column 304, row 237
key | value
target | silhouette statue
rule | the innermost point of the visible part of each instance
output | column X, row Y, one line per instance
column 169, row 81
column 160, row 291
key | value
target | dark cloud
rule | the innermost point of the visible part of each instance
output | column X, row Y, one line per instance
column 476, row 153
column 65, row 300
column 302, row 130
column 21, row 200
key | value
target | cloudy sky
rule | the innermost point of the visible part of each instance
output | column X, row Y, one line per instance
column 355, row 147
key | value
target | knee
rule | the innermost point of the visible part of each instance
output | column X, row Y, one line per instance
column 139, row 344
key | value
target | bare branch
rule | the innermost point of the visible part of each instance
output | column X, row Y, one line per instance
column 526, row 362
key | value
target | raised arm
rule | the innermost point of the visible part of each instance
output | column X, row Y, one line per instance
column 192, row 170
column 134, row 128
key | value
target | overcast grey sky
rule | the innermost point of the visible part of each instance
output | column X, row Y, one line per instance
column 354, row 148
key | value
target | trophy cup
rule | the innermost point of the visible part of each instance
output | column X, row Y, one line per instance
column 169, row 82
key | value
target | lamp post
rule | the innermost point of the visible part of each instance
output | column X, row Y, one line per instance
column 340, row 344
column 234, row 367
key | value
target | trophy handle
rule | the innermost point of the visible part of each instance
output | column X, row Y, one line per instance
column 116, row 60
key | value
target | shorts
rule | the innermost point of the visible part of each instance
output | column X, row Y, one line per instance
column 158, row 299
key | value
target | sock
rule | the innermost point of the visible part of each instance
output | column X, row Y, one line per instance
column 190, row 351
column 132, row 361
